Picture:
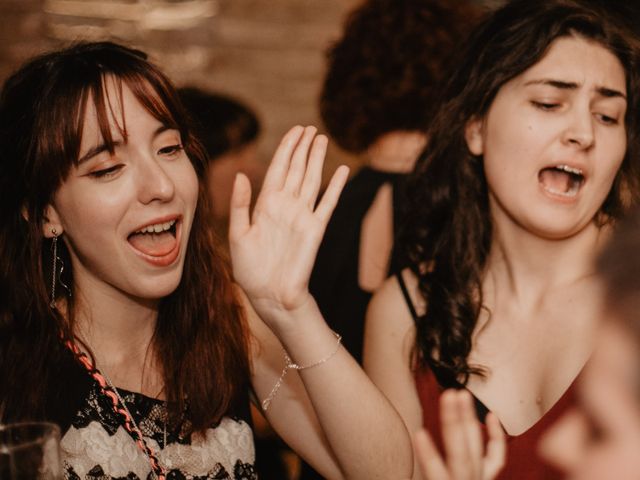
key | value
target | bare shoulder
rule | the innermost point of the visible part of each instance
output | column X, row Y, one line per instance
column 389, row 301
column 390, row 328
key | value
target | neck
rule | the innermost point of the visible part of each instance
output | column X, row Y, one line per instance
column 396, row 151
column 528, row 266
column 119, row 331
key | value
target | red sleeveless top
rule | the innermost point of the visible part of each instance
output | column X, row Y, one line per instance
column 522, row 462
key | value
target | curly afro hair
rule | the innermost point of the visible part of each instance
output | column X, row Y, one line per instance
column 383, row 74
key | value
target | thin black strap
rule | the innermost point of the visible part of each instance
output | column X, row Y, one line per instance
column 407, row 297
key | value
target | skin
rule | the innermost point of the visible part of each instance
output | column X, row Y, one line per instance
column 600, row 438
column 396, row 152
column 539, row 284
column 318, row 411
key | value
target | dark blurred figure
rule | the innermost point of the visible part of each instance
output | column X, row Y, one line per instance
column 229, row 132
column 377, row 100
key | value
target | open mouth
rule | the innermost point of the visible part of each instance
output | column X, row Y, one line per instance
column 157, row 240
column 561, row 180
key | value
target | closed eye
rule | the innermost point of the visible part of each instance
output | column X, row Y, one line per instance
column 606, row 119
column 545, row 106
column 106, row 172
column 171, row 150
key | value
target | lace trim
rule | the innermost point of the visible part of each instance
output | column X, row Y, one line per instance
column 226, row 451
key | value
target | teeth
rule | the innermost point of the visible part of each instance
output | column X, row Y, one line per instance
column 157, row 228
column 573, row 191
column 568, row 169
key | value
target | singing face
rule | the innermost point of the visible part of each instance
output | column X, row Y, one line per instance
column 554, row 138
column 601, row 437
column 126, row 217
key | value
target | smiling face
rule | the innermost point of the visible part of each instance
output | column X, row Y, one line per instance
column 126, row 216
column 554, row 139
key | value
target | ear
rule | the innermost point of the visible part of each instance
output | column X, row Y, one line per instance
column 52, row 222
column 473, row 136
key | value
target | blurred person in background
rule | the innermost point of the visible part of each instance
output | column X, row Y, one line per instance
column 378, row 96
column 229, row 131
column 600, row 438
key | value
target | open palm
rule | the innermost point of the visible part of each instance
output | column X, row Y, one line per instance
column 273, row 250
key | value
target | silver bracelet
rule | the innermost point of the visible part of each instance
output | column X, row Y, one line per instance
column 289, row 365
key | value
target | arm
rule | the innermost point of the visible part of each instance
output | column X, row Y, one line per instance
column 331, row 413
column 388, row 340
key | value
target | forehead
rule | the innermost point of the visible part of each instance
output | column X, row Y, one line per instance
column 113, row 111
column 106, row 106
column 575, row 59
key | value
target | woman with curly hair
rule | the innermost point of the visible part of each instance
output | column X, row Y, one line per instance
column 119, row 318
column 378, row 97
column 532, row 157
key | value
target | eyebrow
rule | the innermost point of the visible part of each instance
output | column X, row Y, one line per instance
column 103, row 147
column 602, row 91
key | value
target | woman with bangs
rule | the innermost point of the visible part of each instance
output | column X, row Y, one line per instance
column 532, row 157
column 119, row 317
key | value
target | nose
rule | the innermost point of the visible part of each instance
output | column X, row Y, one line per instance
column 579, row 131
column 154, row 181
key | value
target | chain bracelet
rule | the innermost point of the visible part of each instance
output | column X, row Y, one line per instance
column 289, row 365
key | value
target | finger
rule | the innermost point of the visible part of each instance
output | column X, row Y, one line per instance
column 332, row 194
column 496, row 448
column 313, row 175
column 239, row 212
column 429, row 460
column 472, row 429
column 454, row 436
column 298, row 163
column 277, row 171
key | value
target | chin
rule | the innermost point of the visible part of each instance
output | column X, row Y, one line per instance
column 158, row 288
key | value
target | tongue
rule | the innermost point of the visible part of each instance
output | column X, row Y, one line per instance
column 154, row 244
column 555, row 180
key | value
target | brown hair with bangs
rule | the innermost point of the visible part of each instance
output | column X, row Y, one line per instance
column 200, row 331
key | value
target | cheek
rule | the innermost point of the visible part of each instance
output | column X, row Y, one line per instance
column 511, row 146
column 188, row 184
column 91, row 213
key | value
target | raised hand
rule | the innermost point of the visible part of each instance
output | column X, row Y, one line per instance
column 273, row 251
column 466, row 458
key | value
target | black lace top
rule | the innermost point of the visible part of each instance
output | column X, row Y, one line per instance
column 95, row 445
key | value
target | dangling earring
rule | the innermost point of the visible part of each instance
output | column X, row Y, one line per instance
column 54, row 268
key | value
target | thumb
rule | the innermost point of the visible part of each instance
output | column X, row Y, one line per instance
column 239, row 213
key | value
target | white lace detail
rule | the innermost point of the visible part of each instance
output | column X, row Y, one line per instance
column 117, row 454
column 231, row 441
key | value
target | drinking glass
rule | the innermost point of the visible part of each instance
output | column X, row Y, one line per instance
column 30, row 451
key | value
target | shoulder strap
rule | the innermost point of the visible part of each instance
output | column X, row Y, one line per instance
column 407, row 297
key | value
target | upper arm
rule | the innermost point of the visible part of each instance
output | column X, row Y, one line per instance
column 388, row 344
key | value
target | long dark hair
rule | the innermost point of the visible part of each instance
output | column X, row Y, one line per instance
column 200, row 329
column 447, row 239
